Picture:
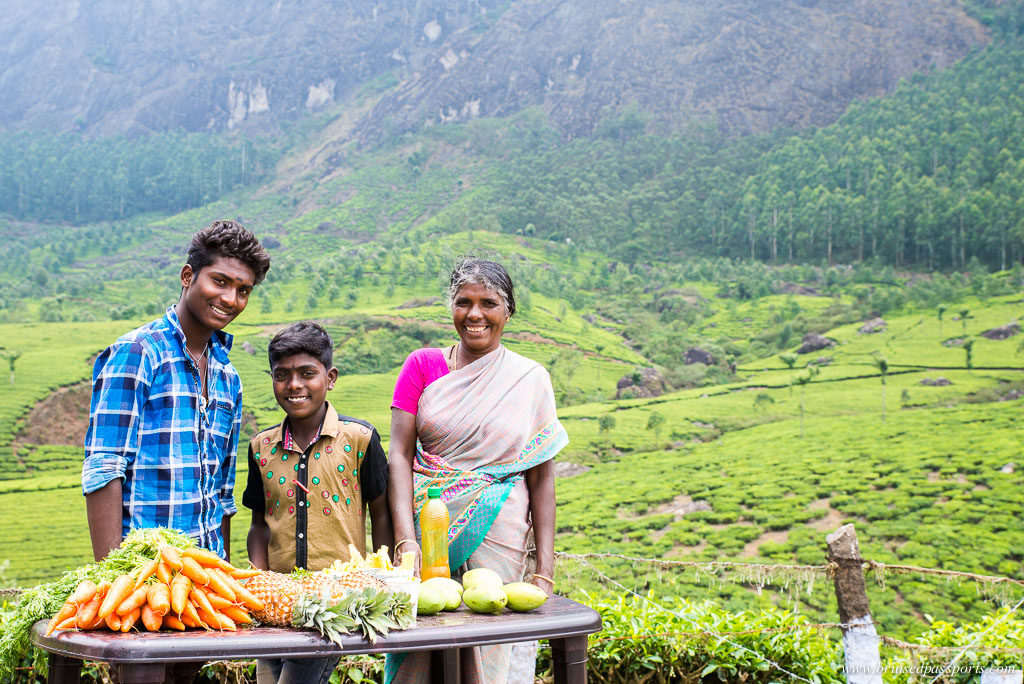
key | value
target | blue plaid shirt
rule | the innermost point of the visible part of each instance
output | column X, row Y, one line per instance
column 147, row 427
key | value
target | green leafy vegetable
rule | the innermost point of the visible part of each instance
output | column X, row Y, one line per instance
column 44, row 600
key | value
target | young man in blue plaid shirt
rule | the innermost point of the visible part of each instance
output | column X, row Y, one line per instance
column 167, row 405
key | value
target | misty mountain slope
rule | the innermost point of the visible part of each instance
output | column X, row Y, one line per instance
column 753, row 65
column 107, row 67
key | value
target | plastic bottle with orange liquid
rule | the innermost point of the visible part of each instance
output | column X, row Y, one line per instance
column 434, row 536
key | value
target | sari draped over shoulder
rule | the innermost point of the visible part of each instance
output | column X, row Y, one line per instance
column 479, row 429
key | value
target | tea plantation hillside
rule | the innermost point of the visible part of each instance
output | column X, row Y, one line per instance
column 749, row 459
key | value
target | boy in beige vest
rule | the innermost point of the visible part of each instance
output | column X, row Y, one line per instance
column 312, row 479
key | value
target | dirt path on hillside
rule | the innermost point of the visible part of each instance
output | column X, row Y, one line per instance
column 60, row 418
column 63, row 418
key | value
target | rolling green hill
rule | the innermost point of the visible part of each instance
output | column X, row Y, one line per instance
column 931, row 471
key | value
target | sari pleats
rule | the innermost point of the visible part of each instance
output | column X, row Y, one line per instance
column 480, row 428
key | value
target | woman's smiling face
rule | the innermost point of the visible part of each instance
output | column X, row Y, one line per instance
column 479, row 314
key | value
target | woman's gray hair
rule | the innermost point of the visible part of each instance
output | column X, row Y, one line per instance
column 490, row 274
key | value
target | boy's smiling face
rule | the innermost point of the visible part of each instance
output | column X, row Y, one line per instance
column 301, row 383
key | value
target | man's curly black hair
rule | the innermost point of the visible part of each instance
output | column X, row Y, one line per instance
column 228, row 239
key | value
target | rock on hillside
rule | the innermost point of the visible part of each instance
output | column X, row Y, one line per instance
column 697, row 355
column 107, row 66
column 750, row 64
column 814, row 342
column 644, row 384
column 875, row 325
column 1002, row 332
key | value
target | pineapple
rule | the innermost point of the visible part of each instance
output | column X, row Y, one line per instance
column 330, row 603
column 334, row 585
column 378, row 560
column 278, row 593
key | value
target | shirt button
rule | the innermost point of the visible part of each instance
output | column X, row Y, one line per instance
column 300, row 535
column 303, row 465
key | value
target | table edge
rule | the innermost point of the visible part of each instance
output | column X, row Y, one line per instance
column 164, row 649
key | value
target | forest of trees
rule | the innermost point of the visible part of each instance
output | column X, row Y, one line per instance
column 48, row 177
column 925, row 178
column 930, row 177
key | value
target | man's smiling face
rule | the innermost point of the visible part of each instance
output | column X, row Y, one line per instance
column 216, row 295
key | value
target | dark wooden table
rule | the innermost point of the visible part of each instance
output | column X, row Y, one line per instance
column 140, row 657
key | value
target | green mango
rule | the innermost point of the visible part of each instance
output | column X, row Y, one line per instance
column 523, row 596
column 485, row 599
column 481, row 576
column 451, row 589
column 431, row 600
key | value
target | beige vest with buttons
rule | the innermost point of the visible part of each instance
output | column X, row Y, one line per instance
column 329, row 470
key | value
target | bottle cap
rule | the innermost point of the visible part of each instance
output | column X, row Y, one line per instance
column 434, row 492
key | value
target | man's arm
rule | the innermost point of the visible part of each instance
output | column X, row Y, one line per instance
column 226, row 493
column 103, row 509
column 258, row 541
column 225, row 532
column 121, row 378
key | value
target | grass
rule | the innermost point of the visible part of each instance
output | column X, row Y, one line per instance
column 927, row 488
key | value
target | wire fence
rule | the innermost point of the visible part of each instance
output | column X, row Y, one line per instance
column 773, row 569
column 762, row 574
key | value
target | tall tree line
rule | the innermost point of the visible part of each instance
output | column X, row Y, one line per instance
column 44, row 176
column 927, row 177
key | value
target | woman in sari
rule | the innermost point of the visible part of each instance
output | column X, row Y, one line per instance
column 479, row 421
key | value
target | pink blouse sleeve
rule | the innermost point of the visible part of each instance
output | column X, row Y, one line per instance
column 421, row 368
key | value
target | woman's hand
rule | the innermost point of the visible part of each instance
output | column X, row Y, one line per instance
column 543, row 583
column 409, row 546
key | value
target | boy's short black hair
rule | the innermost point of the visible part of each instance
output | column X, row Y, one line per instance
column 304, row 337
column 228, row 239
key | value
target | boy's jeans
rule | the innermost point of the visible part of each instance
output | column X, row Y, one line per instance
column 295, row 670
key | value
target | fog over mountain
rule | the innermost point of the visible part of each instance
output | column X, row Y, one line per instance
column 111, row 66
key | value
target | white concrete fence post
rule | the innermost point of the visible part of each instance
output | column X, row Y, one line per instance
column 860, row 639
column 1002, row 677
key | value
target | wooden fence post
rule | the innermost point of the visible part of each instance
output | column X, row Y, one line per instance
column 860, row 639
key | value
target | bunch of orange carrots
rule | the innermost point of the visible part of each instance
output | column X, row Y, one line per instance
column 178, row 589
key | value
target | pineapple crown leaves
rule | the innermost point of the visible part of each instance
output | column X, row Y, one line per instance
column 401, row 611
column 373, row 612
column 331, row 620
